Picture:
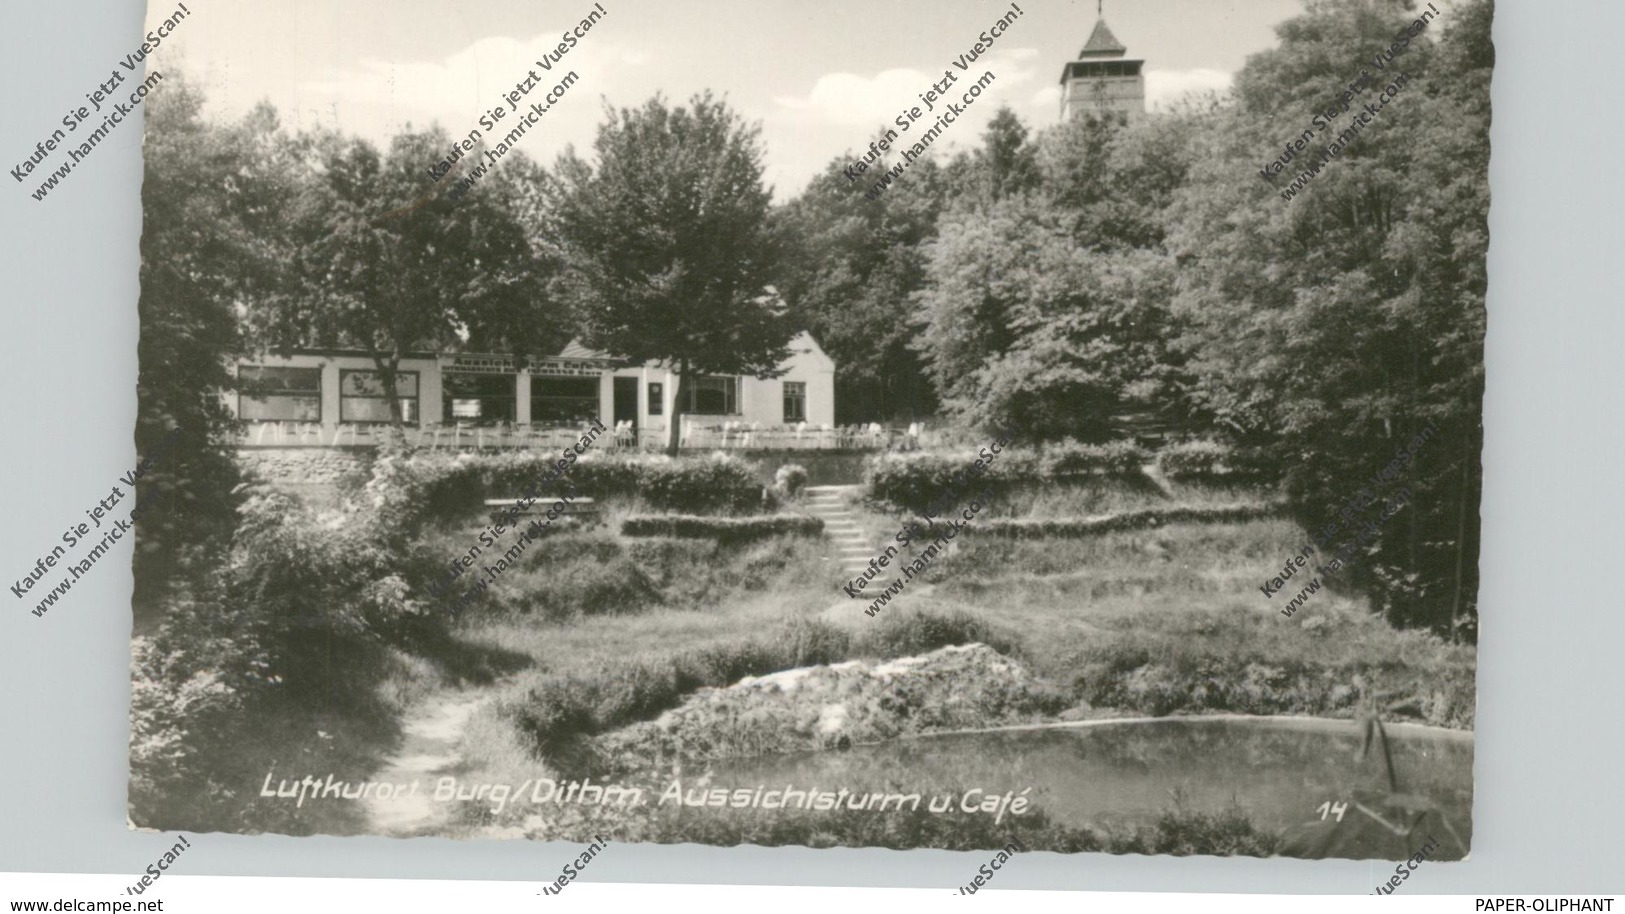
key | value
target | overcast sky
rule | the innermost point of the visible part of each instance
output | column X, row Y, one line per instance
column 819, row 76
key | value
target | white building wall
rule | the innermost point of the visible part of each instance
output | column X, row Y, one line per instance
column 760, row 401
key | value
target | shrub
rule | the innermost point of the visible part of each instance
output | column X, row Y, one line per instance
column 1210, row 461
column 815, row 643
column 410, row 490
column 1168, row 677
column 593, row 588
column 554, row 714
column 790, row 480
column 913, row 633
column 909, row 481
column 722, row 529
column 180, row 711
column 719, row 482
column 1254, row 464
column 1128, row 520
column 913, row 481
column 1117, row 458
column 303, row 573
column 1193, row 460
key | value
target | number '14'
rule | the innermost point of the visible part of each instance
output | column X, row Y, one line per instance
column 1327, row 808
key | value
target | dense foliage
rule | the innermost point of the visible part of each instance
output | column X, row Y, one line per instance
column 666, row 237
column 1338, row 325
column 913, row 480
column 379, row 263
column 1103, row 281
column 209, row 210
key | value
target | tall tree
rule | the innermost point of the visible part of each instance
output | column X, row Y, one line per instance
column 1049, row 290
column 849, row 268
column 1351, row 317
column 667, row 239
column 1061, row 337
column 1005, row 165
column 210, row 233
column 384, row 263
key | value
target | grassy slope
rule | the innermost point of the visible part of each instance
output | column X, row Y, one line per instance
column 1148, row 622
column 1169, row 620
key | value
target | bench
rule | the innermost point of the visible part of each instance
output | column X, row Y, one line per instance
column 498, row 508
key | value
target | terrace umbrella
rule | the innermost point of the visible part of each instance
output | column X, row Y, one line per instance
column 1385, row 824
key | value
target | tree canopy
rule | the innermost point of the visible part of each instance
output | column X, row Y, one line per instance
column 666, row 237
column 210, row 208
column 377, row 264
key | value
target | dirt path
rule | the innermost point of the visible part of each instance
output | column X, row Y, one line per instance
column 432, row 731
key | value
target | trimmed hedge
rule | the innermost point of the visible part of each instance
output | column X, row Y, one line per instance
column 915, row 480
column 1117, row 458
column 728, row 529
column 427, row 487
column 1130, row 520
column 1210, row 461
column 709, row 484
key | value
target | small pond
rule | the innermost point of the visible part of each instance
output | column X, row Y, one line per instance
column 1279, row 770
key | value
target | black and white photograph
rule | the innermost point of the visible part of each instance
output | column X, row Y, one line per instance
column 1001, row 427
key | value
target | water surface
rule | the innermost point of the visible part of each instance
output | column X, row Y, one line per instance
column 1278, row 770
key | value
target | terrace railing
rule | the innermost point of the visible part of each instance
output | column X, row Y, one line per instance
column 699, row 433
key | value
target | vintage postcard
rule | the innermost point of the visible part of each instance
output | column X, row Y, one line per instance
column 1037, row 426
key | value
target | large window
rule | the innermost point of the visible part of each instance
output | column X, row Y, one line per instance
column 362, row 397
column 795, row 401
column 278, row 394
column 565, row 400
column 479, row 397
column 713, row 397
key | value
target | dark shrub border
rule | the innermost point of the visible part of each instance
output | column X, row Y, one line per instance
column 1131, row 520
column 727, row 529
column 427, row 488
column 1210, row 461
column 912, row 481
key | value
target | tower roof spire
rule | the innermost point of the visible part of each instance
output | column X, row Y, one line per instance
column 1102, row 43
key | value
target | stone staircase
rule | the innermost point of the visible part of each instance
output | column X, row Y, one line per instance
column 829, row 504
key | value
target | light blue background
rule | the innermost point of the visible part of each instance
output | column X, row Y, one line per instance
column 1549, row 734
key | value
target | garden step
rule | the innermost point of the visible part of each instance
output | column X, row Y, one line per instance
column 850, row 544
